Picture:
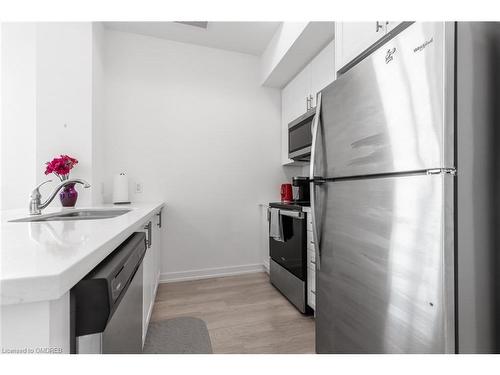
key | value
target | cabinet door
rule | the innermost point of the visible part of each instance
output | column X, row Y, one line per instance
column 295, row 94
column 147, row 269
column 322, row 70
column 151, row 272
column 157, row 253
column 311, row 287
column 293, row 104
column 285, row 108
column 390, row 25
column 354, row 37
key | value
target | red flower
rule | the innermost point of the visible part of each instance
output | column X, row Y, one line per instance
column 60, row 166
column 69, row 160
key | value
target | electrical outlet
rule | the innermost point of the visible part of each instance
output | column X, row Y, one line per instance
column 138, row 187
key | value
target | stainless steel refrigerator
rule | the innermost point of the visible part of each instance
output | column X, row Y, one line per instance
column 404, row 195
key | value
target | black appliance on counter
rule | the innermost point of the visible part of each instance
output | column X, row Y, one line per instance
column 301, row 189
column 288, row 252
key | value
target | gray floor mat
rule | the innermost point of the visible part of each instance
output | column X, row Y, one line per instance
column 184, row 335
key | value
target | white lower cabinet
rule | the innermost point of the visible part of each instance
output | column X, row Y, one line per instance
column 147, row 264
column 151, row 269
column 311, row 288
column 311, row 265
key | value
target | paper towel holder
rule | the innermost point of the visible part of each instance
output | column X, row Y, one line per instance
column 124, row 201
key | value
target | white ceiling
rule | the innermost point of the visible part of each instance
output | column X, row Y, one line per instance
column 245, row 37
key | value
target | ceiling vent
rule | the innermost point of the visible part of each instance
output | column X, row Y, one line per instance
column 200, row 24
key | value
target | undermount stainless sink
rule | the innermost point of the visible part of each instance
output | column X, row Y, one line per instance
column 78, row 214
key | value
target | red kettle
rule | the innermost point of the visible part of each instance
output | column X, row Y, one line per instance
column 286, row 193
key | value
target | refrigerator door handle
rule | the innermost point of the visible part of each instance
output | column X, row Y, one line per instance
column 314, row 182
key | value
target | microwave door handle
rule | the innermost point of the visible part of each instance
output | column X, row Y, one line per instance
column 315, row 182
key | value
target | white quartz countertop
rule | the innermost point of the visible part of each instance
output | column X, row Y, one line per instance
column 43, row 260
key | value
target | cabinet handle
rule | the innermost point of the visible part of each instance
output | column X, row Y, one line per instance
column 313, row 292
column 313, row 262
column 378, row 26
column 148, row 236
column 311, row 98
column 159, row 219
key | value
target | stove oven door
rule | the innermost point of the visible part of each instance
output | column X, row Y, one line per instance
column 291, row 253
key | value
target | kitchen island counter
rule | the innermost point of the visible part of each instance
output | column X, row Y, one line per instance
column 42, row 261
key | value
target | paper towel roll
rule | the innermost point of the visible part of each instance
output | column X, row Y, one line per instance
column 120, row 188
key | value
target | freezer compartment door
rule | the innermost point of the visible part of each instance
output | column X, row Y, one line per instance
column 393, row 112
column 385, row 283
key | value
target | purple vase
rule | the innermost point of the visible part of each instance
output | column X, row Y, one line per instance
column 68, row 196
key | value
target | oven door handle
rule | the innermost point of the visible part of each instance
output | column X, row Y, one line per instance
column 295, row 214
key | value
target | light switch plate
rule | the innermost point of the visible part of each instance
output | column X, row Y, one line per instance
column 138, row 187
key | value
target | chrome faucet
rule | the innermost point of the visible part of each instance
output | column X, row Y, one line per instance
column 36, row 206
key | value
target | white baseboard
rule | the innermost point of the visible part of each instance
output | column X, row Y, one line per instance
column 266, row 265
column 208, row 273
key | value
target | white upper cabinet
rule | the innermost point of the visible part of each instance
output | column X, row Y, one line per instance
column 322, row 70
column 294, row 102
column 295, row 95
column 355, row 37
column 299, row 95
column 390, row 25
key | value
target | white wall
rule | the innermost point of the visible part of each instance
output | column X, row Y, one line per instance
column 194, row 126
column 1, row 120
column 293, row 45
column 47, row 90
column 279, row 45
column 18, row 158
column 98, row 82
column 64, row 98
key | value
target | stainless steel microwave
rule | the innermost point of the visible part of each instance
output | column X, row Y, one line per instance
column 300, row 136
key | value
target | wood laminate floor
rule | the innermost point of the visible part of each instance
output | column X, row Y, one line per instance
column 244, row 314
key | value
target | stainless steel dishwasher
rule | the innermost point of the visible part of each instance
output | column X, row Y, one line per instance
column 106, row 305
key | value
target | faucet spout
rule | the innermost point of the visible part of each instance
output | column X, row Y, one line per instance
column 36, row 206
